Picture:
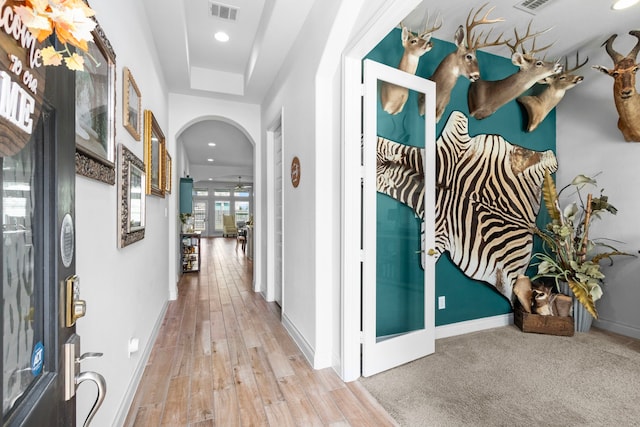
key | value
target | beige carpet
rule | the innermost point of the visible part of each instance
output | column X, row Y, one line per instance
column 504, row 377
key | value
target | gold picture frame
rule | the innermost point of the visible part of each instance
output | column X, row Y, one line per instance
column 168, row 168
column 96, row 111
column 131, row 105
column 154, row 155
column 132, row 196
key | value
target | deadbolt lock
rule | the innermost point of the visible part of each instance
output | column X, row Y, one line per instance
column 75, row 307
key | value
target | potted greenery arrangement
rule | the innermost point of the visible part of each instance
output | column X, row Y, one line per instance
column 187, row 222
column 569, row 255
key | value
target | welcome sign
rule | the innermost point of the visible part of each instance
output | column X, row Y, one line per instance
column 22, row 81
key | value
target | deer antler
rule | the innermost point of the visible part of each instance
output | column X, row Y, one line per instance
column 519, row 41
column 474, row 42
column 435, row 26
column 568, row 70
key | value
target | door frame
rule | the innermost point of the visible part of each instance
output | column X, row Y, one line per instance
column 277, row 123
column 387, row 17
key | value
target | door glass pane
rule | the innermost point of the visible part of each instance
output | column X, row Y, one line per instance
column 22, row 275
column 242, row 213
column 400, row 212
column 200, row 216
column 222, row 207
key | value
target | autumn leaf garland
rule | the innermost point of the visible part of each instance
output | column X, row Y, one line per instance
column 71, row 22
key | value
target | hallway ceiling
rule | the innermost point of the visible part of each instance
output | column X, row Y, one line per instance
column 261, row 36
column 241, row 69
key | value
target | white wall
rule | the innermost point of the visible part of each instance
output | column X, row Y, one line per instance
column 125, row 289
column 589, row 142
column 308, row 94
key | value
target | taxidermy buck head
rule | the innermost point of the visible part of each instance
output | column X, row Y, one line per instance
column 462, row 62
column 538, row 106
column 393, row 97
column 485, row 97
column 625, row 95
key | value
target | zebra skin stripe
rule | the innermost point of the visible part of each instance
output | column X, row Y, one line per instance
column 487, row 198
column 400, row 173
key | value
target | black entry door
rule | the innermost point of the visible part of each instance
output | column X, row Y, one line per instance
column 38, row 254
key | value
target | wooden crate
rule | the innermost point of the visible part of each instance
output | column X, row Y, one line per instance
column 551, row 325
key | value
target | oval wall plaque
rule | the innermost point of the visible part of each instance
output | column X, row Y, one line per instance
column 295, row 172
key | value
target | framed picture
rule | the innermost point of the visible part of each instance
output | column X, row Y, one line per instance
column 154, row 157
column 167, row 168
column 131, row 105
column 132, row 197
column 96, row 111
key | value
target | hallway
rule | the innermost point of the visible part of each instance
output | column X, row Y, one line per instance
column 222, row 357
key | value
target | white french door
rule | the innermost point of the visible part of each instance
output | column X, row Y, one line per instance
column 398, row 295
column 201, row 217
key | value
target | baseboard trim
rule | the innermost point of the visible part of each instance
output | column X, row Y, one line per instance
column 297, row 337
column 626, row 330
column 125, row 405
column 468, row 326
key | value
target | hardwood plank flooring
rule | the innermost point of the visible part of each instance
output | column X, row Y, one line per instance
column 223, row 358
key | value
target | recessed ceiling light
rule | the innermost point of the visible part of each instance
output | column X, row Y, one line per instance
column 209, row 160
column 211, row 144
column 623, row 4
column 221, row 36
column 210, row 179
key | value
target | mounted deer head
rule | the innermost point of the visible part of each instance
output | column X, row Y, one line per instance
column 625, row 95
column 485, row 97
column 393, row 97
column 538, row 106
column 461, row 62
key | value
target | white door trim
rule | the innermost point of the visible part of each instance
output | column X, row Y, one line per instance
column 387, row 18
column 380, row 354
column 277, row 123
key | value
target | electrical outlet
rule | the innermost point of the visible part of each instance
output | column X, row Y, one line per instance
column 441, row 303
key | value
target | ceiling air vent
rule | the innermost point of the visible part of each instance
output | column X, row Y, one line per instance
column 222, row 11
column 531, row 6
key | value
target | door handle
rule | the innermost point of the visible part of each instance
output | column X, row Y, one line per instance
column 102, row 391
column 73, row 376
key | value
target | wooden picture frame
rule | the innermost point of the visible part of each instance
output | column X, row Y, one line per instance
column 168, row 168
column 154, row 155
column 96, row 112
column 132, row 197
column 131, row 105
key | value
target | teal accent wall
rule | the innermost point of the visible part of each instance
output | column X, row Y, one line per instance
column 466, row 299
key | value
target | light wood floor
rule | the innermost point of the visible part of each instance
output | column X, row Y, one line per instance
column 222, row 358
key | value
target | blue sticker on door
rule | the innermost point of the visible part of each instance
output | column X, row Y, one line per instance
column 37, row 359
